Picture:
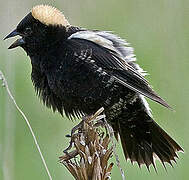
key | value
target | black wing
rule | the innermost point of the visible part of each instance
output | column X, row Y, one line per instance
column 115, row 65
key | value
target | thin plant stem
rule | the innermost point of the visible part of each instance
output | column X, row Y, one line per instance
column 111, row 133
column 5, row 84
column 9, row 138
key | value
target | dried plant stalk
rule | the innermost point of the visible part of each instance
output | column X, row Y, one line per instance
column 5, row 84
column 92, row 151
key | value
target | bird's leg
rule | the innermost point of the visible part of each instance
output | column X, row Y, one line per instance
column 96, row 119
column 78, row 128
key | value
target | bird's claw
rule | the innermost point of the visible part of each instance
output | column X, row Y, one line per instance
column 79, row 127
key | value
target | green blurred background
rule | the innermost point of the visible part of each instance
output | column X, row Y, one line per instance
column 159, row 32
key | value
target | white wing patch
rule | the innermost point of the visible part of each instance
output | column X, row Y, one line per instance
column 120, row 45
column 94, row 37
column 112, row 42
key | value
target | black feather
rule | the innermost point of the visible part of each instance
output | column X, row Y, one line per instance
column 77, row 76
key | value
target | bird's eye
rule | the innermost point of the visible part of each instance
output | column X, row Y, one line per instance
column 28, row 31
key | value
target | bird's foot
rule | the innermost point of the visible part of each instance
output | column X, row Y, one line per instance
column 95, row 120
column 78, row 128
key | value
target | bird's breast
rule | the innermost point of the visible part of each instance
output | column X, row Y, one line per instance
column 72, row 87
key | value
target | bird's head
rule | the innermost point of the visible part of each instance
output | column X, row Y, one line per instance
column 42, row 27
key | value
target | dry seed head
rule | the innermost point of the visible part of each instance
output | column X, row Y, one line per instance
column 93, row 150
column 49, row 15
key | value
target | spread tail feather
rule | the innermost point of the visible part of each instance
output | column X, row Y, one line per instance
column 143, row 140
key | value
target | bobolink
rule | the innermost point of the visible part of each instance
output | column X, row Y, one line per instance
column 78, row 71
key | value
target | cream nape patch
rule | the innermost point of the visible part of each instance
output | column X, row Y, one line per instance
column 49, row 15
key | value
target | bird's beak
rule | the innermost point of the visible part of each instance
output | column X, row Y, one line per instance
column 18, row 42
column 12, row 34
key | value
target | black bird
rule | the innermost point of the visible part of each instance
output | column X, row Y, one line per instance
column 78, row 71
